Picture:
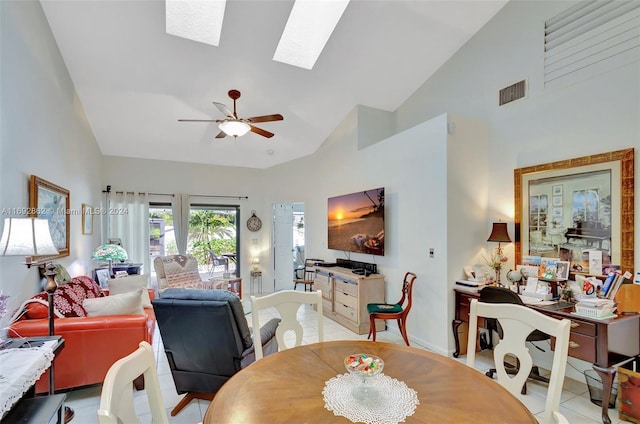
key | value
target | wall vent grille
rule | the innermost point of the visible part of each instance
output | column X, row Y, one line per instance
column 513, row 92
column 592, row 36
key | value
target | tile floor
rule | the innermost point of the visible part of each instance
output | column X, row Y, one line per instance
column 575, row 405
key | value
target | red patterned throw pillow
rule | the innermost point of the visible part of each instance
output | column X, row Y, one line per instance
column 67, row 299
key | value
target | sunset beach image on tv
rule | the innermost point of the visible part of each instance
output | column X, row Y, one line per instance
column 356, row 222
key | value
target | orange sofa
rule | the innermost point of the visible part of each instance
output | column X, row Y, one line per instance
column 92, row 344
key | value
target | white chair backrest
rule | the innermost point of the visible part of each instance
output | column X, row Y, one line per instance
column 116, row 399
column 287, row 302
column 517, row 322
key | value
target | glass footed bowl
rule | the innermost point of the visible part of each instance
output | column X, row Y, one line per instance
column 363, row 365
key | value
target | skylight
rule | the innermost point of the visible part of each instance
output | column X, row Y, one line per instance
column 308, row 29
column 197, row 20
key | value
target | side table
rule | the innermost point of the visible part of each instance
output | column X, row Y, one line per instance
column 256, row 279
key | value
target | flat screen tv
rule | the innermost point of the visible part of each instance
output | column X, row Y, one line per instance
column 356, row 222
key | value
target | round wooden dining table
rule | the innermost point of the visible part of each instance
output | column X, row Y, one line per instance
column 286, row 387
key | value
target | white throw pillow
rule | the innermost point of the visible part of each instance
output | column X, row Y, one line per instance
column 117, row 304
column 129, row 284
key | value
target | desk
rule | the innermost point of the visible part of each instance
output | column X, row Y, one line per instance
column 286, row 387
column 604, row 343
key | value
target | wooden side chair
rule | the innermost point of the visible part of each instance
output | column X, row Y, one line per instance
column 287, row 303
column 397, row 311
column 306, row 275
column 116, row 399
column 517, row 322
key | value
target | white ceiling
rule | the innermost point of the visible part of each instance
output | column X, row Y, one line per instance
column 135, row 81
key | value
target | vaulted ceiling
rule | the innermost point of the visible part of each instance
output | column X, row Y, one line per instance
column 135, row 81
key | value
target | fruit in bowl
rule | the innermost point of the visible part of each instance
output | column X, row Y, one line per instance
column 363, row 365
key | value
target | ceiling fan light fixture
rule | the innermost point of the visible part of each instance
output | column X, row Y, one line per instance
column 234, row 127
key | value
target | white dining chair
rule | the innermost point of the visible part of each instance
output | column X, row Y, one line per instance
column 287, row 303
column 116, row 399
column 517, row 322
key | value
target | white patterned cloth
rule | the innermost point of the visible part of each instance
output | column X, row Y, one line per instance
column 20, row 369
column 380, row 400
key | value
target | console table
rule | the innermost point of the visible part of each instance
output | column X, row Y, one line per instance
column 345, row 296
column 603, row 342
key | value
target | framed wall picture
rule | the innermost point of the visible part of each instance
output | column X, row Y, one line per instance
column 597, row 212
column 50, row 201
column 87, row 219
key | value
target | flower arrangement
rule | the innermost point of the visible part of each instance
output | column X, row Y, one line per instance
column 495, row 262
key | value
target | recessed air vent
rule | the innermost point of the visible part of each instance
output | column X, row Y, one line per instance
column 513, row 92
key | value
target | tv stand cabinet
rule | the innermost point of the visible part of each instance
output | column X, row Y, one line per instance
column 345, row 296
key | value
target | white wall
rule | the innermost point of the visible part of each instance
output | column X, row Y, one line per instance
column 43, row 132
column 599, row 113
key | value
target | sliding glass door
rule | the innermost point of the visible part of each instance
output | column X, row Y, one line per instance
column 213, row 237
column 212, row 240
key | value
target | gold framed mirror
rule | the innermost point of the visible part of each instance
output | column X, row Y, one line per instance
column 577, row 210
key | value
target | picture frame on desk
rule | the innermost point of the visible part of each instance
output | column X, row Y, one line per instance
column 103, row 278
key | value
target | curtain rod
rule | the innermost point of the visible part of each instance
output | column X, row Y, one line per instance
column 221, row 196
column 108, row 191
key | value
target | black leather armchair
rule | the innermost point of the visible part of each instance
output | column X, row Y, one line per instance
column 206, row 339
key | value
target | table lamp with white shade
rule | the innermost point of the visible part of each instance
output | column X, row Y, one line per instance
column 30, row 237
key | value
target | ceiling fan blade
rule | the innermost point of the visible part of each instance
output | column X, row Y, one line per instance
column 221, row 134
column 225, row 110
column 199, row 120
column 261, row 132
column 265, row 118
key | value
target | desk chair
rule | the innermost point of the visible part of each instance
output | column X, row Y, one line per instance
column 398, row 311
column 516, row 322
column 287, row 303
column 116, row 399
column 306, row 275
column 492, row 294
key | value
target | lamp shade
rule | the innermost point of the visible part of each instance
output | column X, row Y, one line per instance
column 104, row 252
column 499, row 233
column 26, row 237
column 234, row 127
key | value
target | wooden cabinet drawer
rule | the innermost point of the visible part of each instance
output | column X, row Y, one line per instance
column 351, row 289
column 583, row 327
column 582, row 347
column 346, row 311
column 347, row 299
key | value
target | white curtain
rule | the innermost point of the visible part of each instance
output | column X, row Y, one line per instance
column 128, row 216
column 180, row 206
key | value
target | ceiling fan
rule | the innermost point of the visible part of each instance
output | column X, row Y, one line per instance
column 234, row 126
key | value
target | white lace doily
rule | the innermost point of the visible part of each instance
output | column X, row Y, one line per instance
column 385, row 400
column 19, row 370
